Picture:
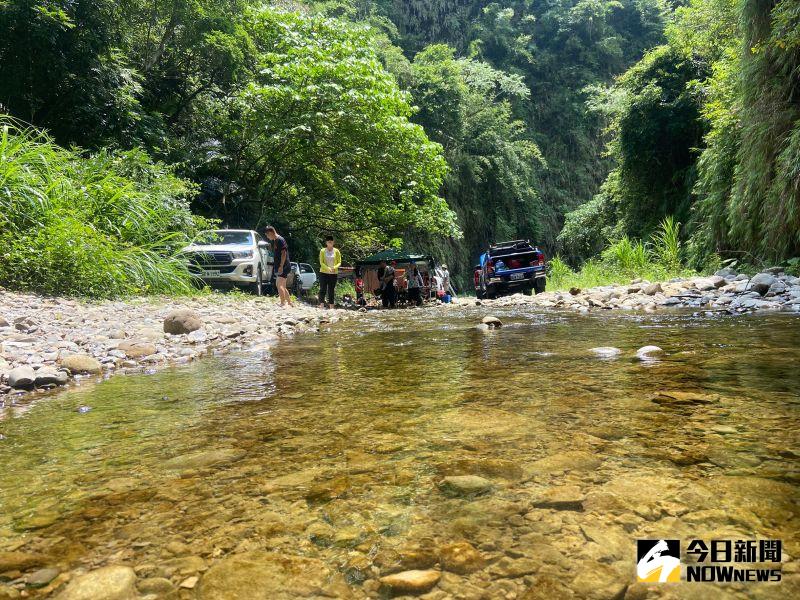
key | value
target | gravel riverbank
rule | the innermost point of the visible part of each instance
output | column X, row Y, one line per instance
column 726, row 292
column 51, row 342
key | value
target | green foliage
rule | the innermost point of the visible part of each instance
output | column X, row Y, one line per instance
column 318, row 139
column 99, row 225
column 711, row 135
column 624, row 259
column 667, row 243
column 493, row 182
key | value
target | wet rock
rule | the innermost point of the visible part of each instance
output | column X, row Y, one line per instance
column 106, row 583
column 678, row 398
column 137, row 349
column 51, row 376
column 410, row 582
column 492, row 322
column 41, row 577
column 465, row 485
column 461, row 558
column 508, row 568
column 576, row 460
column 19, row 561
column 21, row 377
column 4, row 322
column 182, row 321
column 81, row 364
column 598, row 581
column 260, row 575
column 485, row 467
column 563, row 497
column 547, row 587
column 761, row 283
column 199, row 460
column 606, row 351
column 574, row 291
column 648, row 352
column 155, row 585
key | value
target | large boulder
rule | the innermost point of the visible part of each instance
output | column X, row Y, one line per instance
column 182, row 321
column 81, row 363
column 51, row 376
column 762, row 282
column 492, row 321
column 107, row 583
column 21, row 377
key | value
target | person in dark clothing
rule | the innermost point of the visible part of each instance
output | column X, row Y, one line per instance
column 414, row 279
column 388, row 292
column 282, row 264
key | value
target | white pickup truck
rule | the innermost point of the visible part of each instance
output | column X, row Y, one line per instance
column 231, row 257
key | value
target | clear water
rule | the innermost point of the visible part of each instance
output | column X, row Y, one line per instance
column 333, row 447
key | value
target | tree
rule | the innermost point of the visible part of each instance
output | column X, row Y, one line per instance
column 318, row 138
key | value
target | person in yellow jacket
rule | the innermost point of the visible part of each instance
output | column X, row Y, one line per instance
column 330, row 259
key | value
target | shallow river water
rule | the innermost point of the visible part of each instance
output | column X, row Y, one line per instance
column 323, row 462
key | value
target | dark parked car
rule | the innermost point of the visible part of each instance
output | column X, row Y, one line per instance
column 509, row 267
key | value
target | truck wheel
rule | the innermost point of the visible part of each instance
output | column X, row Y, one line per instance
column 539, row 285
column 258, row 286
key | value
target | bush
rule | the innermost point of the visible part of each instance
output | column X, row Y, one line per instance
column 626, row 259
column 102, row 225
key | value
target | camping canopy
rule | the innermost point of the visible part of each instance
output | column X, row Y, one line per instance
column 395, row 255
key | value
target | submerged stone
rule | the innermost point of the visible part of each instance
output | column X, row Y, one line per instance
column 465, row 485
column 411, row 582
column 260, row 575
column 199, row 460
column 107, row 583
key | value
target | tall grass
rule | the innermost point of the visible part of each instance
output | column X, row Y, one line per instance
column 99, row 225
column 658, row 259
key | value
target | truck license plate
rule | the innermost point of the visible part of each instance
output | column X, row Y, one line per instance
column 211, row 273
column 515, row 276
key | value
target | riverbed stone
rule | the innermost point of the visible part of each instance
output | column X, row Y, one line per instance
column 81, row 364
column 461, row 557
column 137, row 348
column 547, row 587
column 41, row 577
column 573, row 460
column 21, row 377
column 259, row 575
column 51, row 376
column 465, row 485
column 562, row 497
column 492, row 322
column 652, row 289
column 606, row 351
column 114, row 582
column 182, row 321
column 19, row 561
column 648, row 352
column 155, row 585
column 413, row 582
column 761, row 283
column 207, row 458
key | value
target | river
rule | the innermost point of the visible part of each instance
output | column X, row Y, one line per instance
column 336, row 448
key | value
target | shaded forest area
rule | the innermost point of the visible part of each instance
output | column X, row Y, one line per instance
column 437, row 124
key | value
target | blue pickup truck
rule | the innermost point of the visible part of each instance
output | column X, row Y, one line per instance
column 509, row 267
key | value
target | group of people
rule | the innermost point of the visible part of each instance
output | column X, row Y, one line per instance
column 330, row 260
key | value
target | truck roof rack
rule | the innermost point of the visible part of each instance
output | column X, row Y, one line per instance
column 510, row 244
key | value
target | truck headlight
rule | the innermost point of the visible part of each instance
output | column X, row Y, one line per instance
column 243, row 254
